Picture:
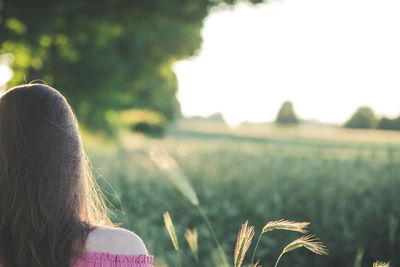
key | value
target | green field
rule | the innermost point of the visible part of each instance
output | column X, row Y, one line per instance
column 349, row 191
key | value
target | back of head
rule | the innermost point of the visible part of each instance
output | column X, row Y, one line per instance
column 46, row 206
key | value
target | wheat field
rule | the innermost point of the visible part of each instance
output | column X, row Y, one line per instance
column 348, row 190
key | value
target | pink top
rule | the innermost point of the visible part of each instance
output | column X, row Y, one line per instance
column 104, row 259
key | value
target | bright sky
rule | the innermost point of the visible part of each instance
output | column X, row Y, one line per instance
column 5, row 71
column 5, row 74
column 326, row 56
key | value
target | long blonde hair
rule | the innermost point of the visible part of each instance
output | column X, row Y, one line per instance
column 49, row 200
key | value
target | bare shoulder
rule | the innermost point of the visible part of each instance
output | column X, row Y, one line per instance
column 115, row 240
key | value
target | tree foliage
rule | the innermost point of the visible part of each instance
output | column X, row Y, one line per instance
column 105, row 54
column 389, row 124
column 286, row 114
column 363, row 118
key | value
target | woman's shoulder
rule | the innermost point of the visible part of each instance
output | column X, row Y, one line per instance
column 115, row 240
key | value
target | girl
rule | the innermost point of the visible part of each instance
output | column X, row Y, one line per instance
column 50, row 212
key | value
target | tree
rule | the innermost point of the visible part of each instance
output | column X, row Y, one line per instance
column 104, row 55
column 389, row 124
column 216, row 117
column 286, row 114
column 363, row 118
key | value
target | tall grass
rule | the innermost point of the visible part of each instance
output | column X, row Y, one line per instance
column 171, row 169
column 348, row 191
column 168, row 165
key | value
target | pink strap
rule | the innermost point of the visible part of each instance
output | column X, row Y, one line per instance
column 104, row 259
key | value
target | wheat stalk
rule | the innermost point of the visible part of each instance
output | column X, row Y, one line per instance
column 393, row 223
column 171, row 230
column 191, row 238
column 243, row 243
column 169, row 166
column 281, row 225
column 309, row 242
column 257, row 264
column 286, row 225
column 380, row 264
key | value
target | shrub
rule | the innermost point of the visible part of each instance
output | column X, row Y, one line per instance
column 144, row 121
column 286, row 114
column 389, row 124
column 363, row 118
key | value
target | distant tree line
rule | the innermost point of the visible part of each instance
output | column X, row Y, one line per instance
column 364, row 118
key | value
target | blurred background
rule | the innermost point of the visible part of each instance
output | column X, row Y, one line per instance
column 272, row 110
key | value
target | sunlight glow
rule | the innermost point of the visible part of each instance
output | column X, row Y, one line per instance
column 327, row 57
column 5, row 74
